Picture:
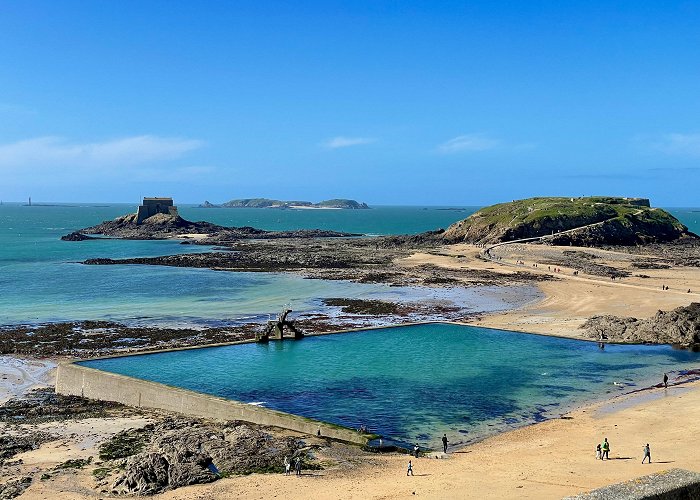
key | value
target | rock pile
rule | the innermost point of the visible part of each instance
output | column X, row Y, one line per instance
column 181, row 452
column 680, row 326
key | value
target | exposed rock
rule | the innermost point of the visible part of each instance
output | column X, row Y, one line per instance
column 42, row 405
column 77, row 236
column 85, row 339
column 183, row 452
column 144, row 474
column 593, row 221
column 14, row 487
column 12, row 444
column 680, row 326
column 164, row 226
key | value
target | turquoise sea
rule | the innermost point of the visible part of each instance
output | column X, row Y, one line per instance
column 412, row 384
column 41, row 280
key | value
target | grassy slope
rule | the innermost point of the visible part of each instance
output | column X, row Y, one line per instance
column 541, row 216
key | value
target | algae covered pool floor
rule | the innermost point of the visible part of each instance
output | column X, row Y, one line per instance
column 413, row 383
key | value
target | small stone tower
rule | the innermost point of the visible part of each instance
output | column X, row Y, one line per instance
column 152, row 206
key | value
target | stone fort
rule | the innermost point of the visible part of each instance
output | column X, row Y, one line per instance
column 152, row 206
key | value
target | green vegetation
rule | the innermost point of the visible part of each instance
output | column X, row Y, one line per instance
column 607, row 220
column 126, row 443
column 76, row 463
column 101, row 473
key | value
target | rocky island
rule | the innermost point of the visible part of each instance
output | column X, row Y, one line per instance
column 591, row 221
column 158, row 218
column 339, row 203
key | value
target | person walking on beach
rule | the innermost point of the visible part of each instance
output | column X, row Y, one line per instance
column 598, row 455
column 444, row 443
column 297, row 466
column 287, row 466
column 665, row 379
column 647, row 453
column 409, row 472
column 606, row 450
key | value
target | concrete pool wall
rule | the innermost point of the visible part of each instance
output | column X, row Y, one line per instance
column 76, row 380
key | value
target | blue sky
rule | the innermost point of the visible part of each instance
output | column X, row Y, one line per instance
column 439, row 103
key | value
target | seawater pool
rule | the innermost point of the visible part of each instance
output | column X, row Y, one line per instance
column 413, row 383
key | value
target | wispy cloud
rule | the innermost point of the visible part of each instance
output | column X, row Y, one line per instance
column 678, row 144
column 51, row 152
column 345, row 142
column 468, row 142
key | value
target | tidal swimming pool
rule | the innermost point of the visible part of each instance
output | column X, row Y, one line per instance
column 413, row 383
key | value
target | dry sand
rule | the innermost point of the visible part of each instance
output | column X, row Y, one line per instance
column 547, row 460
column 570, row 300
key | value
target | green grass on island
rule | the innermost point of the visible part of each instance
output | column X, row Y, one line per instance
column 622, row 221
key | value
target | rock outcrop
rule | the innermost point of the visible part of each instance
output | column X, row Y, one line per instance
column 164, row 226
column 593, row 221
column 680, row 326
column 182, row 452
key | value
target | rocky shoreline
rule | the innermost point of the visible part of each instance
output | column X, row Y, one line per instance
column 363, row 260
column 679, row 327
column 155, row 451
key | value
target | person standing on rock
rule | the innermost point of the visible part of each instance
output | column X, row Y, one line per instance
column 665, row 379
column 444, row 443
column 647, row 453
column 416, row 450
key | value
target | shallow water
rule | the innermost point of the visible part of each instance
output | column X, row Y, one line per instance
column 412, row 384
column 41, row 281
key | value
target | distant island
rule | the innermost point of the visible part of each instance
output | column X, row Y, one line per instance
column 338, row 203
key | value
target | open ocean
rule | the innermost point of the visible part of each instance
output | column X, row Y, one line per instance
column 42, row 281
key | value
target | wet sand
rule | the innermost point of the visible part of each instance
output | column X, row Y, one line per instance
column 20, row 375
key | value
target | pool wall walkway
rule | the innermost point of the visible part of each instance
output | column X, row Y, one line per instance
column 76, row 380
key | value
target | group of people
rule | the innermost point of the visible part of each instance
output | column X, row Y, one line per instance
column 602, row 451
column 416, row 452
column 288, row 466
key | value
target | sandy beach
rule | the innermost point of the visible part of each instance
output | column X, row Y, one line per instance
column 569, row 300
column 545, row 460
